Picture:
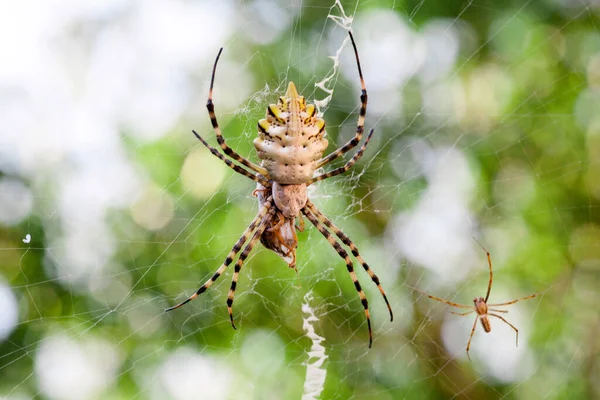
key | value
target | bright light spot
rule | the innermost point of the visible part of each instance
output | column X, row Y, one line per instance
column 386, row 101
column 441, row 49
column 180, row 33
column 389, row 50
column 16, row 201
column 144, row 319
column 27, row 238
column 110, row 289
column 157, row 102
column 202, row 173
column 187, row 374
column 263, row 353
column 390, row 53
column 67, row 369
column 402, row 158
column 441, row 216
column 86, row 244
column 593, row 71
column 514, row 185
column 9, row 315
column 153, row 209
column 488, row 90
column 71, row 92
column 586, row 108
column 266, row 20
column 81, row 255
column 583, row 245
column 443, row 102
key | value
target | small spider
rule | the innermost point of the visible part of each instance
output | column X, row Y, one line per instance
column 290, row 144
column 481, row 307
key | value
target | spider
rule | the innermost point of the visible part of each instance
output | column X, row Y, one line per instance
column 290, row 144
column 481, row 307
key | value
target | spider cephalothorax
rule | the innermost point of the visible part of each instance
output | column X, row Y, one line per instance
column 290, row 144
column 479, row 303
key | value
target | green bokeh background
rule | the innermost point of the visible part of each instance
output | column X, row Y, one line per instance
column 548, row 125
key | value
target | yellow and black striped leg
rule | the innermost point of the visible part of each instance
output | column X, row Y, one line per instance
column 347, row 166
column 340, row 250
column 360, row 125
column 236, row 248
column 257, row 178
column 242, row 258
column 348, row 242
column 213, row 119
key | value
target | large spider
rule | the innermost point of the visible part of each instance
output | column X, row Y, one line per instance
column 290, row 144
column 481, row 307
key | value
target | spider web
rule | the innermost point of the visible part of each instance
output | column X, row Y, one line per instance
column 486, row 126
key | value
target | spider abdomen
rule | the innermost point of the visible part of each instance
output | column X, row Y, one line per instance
column 291, row 139
column 485, row 323
column 289, row 164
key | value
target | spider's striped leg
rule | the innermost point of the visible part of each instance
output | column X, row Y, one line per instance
column 360, row 125
column 347, row 166
column 213, row 119
column 340, row 250
column 509, row 324
column 242, row 258
column 257, row 178
column 236, row 248
column 348, row 242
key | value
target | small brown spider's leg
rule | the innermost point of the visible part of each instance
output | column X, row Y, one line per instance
column 514, row 301
column 236, row 248
column 348, row 242
column 441, row 300
column 340, row 250
column 496, row 310
column 293, row 264
column 255, row 191
column 462, row 314
column 293, row 227
column 295, row 238
column 471, row 337
column 277, row 225
column 300, row 225
column 213, row 119
column 360, row 125
column 256, row 178
column 240, row 262
column 509, row 324
column 347, row 166
column 277, row 232
column 489, row 258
